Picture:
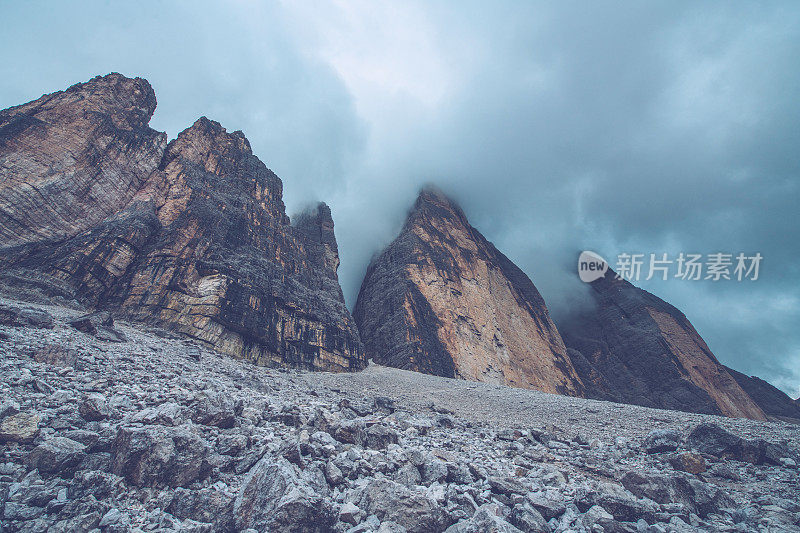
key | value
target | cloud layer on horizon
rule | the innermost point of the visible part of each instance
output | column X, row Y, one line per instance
column 558, row 127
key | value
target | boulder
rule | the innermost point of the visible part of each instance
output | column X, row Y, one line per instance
column 100, row 325
column 208, row 505
column 714, row 440
column 216, row 409
column 616, row 500
column 94, row 407
column 701, row 498
column 274, row 498
column 20, row 427
column 391, row 501
column 692, row 463
column 160, row 455
column 57, row 456
column 486, row 518
column 350, row 431
column 379, row 436
column 25, row 317
column 662, row 440
column 525, row 517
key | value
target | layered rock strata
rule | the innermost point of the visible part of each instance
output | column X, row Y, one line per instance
column 441, row 299
column 193, row 236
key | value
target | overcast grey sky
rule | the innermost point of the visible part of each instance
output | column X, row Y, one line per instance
column 563, row 126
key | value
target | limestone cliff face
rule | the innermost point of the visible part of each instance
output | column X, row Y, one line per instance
column 443, row 300
column 635, row 348
column 72, row 158
column 200, row 243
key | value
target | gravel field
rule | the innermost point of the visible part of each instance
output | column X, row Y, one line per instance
column 500, row 406
column 114, row 427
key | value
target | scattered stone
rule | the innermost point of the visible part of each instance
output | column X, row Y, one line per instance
column 20, row 427
column 688, row 462
column 662, row 440
column 94, row 407
column 100, row 325
column 57, row 456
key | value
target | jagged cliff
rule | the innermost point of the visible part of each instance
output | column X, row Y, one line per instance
column 443, row 300
column 633, row 347
column 72, row 158
column 192, row 235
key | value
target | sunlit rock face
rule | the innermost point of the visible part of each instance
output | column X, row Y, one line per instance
column 72, row 158
column 635, row 348
column 443, row 300
column 193, row 236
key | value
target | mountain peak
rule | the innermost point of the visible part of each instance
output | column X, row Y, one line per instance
column 441, row 299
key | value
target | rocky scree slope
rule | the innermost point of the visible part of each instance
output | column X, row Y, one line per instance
column 193, row 235
column 154, row 433
column 635, row 348
column 441, row 299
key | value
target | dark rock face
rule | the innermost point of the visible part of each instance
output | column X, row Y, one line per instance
column 635, row 348
column 771, row 400
column 192, row 236
column 443, row 300
column 228, row 269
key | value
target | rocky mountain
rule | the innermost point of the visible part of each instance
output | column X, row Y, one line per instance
column 73, row 158
column 192, row 236
column 441, row 299
column 633, row 347
column 771, row 400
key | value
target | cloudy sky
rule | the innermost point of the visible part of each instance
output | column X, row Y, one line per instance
column 654, row 127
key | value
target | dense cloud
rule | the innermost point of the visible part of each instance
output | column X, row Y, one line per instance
column 561, row 127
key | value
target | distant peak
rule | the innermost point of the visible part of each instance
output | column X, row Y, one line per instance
column 204, row 127
column 433, row 202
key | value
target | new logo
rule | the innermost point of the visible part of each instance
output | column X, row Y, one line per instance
column 591, row 266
